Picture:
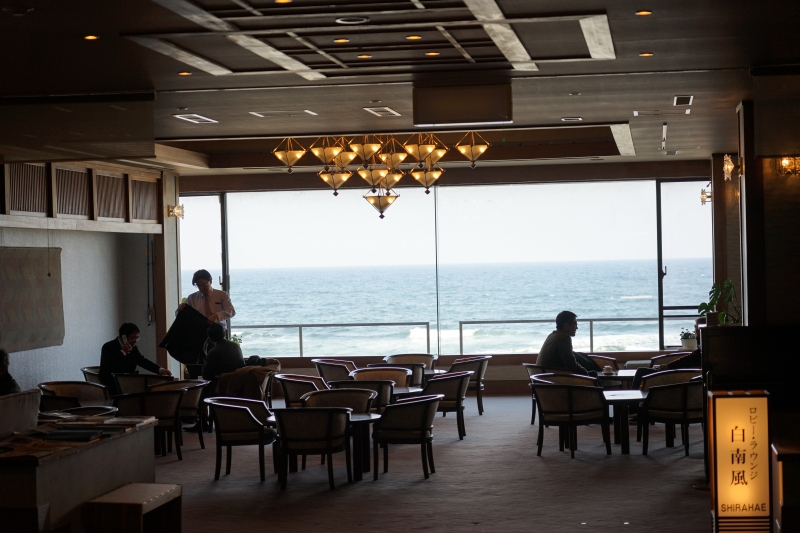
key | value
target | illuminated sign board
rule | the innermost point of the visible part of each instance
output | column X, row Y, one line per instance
column 740, row 460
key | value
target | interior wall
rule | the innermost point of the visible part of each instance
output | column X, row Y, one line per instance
column 103, row 285
column 782, row 244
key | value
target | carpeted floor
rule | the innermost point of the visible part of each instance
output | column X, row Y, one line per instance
column 490, row 481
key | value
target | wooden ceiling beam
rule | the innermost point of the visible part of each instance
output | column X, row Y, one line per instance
column 179, row 157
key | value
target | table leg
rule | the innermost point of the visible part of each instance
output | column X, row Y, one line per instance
column 623, row 428
column 358, row 452
column 617, row 424
column 365, row 445
column 293, row 462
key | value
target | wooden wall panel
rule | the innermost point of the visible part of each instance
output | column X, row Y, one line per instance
column 110, row 196
column 145, row 200
column 28, row 188
column 73, row 192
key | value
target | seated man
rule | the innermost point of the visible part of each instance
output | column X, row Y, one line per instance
column 121, row 356
column 7, row 383
column 556, row 352
column 225, row 356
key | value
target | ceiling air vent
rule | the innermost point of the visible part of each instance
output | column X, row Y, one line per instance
column 683, row 100
column 196, row 119
column 671, row 152
column 382, row 111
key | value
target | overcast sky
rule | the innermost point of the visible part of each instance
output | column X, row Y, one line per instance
column 491, row 224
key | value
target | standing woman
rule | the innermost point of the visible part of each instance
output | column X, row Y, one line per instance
column 212, row 303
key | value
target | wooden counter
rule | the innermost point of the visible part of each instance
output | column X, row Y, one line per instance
column 44, row 483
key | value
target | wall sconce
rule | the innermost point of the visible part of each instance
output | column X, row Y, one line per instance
column 705, row 196
column 727, row 167
column 176, row 211
column 787, row 166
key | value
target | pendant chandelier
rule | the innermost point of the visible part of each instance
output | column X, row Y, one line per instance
column 344, row 158
column 392, row 177
column 470, row 148
column 383, row 200
column 335, row 178
column 366, row 147
column 393, row 153
column 373, row 173
column 439, row 150
column 326, row 149
column 289, row 151
column 427, row 175
column 419, row 147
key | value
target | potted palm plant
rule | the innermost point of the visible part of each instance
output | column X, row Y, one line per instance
column 726, row 294
column 688, row 340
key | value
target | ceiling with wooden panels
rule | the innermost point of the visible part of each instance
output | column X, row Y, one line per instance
column 561, row 59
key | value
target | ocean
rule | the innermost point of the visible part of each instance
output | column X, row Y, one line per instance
column 473, row 292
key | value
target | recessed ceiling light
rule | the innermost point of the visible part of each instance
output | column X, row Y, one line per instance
column 283, row 1
column 646, row 54
column 184, row 73
column 342, row 40
column 196, row 119
column 364, row 56
column 310, row 112
column 432, row 54
column 644, row 12
column 571, row 119
column 574, row 94
column 91, row 37
column 352, row 20
column 374, row 101
column 414, row 37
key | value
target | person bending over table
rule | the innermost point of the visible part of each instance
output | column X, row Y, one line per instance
column 225, row 356
column 122, row 356
column 7, row 384
column 556, row 352
column 212, row 303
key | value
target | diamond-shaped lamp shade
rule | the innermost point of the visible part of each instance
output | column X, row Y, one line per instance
column 472, row 148
column 373, row 176
column 419, row 147
column 289, row 152
column 394, row 176
column 335, row 179
column 344, row 158
column 437, row 154
column 366, row 147
column 427, row 177
column 325, row 150
column 381, row 202
column 393, row 153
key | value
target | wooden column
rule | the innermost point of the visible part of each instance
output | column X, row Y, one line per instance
column 167, row 267
column 751, row 203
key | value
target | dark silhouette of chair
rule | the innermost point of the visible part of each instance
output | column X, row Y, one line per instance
column 86, row 393
column 312, row 431
column 417, row 371
column 294, row 389
column 679, row 403
column 240, row 422
column 92, row 374
column 331, row 371
column 649, row 378
column 428, row 359
column 383, row 389
column 164, row 405
column 408, row 421
column 568, row 406
column 192, row 409
column 400, row 376
column 132, row 383
column 477, row 365
column 453, row 389
column 358, row 400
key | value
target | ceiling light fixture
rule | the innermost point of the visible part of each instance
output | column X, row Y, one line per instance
column 431, row 54
column 705, row 196
column 574, row 94
column 335, row 179
column 326, row 150
column 571, row 119
column 427, row 175
column 283, row 1
column 383, row 200
column 470, row 149
column 350, row 21
column 196, row 119
column 310, row 112
column 365, row 56
column 646, row 54
column 367, row 147
column 176, row 211
column 414, row 37
column 91, row 37
column 644, row 12
column 788, row 166
column 289, row 151
column 393, row 153
column 184, row 73
column 342, row 40
column 373, row 173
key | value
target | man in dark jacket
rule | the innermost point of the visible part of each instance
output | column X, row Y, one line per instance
column 7, row 384
column 224, row 357
column 121, row 356
column 556, row 352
